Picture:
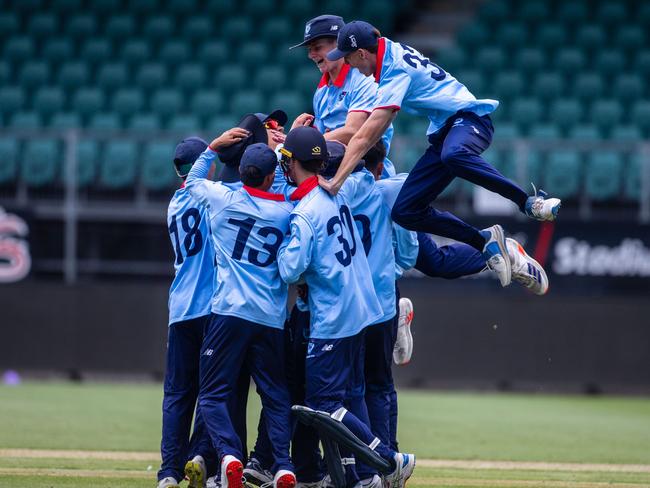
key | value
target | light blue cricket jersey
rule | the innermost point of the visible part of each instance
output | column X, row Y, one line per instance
column 324, row 249
column 248, row 227
column 350, row 92
column 405, row 242
column 410, row 81
column 373, row 224
column 190, row 294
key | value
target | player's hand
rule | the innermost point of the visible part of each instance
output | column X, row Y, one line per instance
column 329, row 185
column 228, row 138
column 277, row 136
column 303, row 120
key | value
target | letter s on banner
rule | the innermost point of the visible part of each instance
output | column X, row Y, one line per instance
column 15, row 260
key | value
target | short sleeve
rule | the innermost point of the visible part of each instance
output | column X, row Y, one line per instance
column 364, row 95
column 392, row 89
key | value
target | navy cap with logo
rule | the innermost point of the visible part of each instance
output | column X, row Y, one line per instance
column 352, row 36
column 260, row 156
column 278, row 115
column 305, row 144
column 186, row 153
column 321, row 26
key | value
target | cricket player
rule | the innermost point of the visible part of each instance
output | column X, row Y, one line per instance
column 249, row 307
column 459, row 130
column 324, row 249
column 344, row 97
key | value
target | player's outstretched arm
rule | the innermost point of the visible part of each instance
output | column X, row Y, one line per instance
column 294, row 254
column 353, row 122
column 363, row 140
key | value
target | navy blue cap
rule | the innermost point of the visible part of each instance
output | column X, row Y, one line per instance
column 304, row 144
column 260, row 156
column 352, row 36
column 336, row 152
column 279, row 115
column 187, row 151
column 231, row 155
column 321, row 26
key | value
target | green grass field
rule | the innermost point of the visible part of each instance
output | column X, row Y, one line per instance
column 50, row 434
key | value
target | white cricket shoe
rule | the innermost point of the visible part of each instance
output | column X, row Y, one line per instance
column 540, row 207
column 374, row 482
column 403, row 349
column 255, row 473
column 232, row 472
column 284, row 479
column 212, row 482
column 525, row 270
column 496, row 254
column 310, row 484
column 168, row 482
column 404, row 466
column 196, row 473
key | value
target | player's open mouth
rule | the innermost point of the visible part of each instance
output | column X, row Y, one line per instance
column 320, row 61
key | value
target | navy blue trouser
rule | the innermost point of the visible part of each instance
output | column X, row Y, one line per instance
column 450, row 261
column 181, row 388
column 454, row 151
column 228, row 345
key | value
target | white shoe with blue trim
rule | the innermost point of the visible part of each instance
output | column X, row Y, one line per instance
column 496, row 253
column 404, row 466
column 525, row 270
column 540, row 207
column 255, row 473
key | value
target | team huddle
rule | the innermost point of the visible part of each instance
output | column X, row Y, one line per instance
column 320, row 208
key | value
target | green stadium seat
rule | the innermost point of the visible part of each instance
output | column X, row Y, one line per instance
column 588, row 86
column 112, row 76
column 49, row 100
column 507, row 131
column 570, row 60
column 546, row 132
column 65, row 120
column 118, row 165
column 489, row 59
column 73, row 75
column 144, row 123
column 8, row 160
column 213, row 53
column 640, row 116
column 548, row 86
column 572, row 12
column 642, row 14
column 258, row 9
column 379, row 13
column 220, row 8
column 186, row 123
column 278, row 28
column 105, row 6
column 512, row 35
column 562, row 174
column 508, row 84
column 551, row 36
column 5, row 73
column 473, row 36
column 606, row 113
column 472, row 79
column 174, row 53
column 151, row 76
column 231, row 78
column 237, row 29
column 105, row 122
column 292, row 103
column 158, row 28
column 611, row 12
column 9, row 24
column 81, row 26
column 207, row 103
column 181, row 7
column 566, row 112
column 157, row 170
column 451, row 59
column 526, row 111
column 603, row 175
column 25, row 121
column 534, row 12
column 270, row 79
column 40, row 163
column 253, row 54
column 166, row 102
column 247, row 101
column 18, row 49
column 298, row 10
column 632, row 177
column 96, row 51
column 42, row 25
column 34, row 74
column 306, row 80
column 120, row 27
column 630, row 38
column 530, row 60
column 135, row 52
column 585, row 133
column 145, row 7
column 127, row 101
column 495, row 11
column 87, row 101
column 628, row 87
column 28, row 6
column 190, row 77
column 87, row 159
column 221, row 123
column 642, row 63
column 12, row 98
column 626, row 133
column 65, row 6
column 609, row 61
column 342, row 7
column 57, row 51
column 590, row 37
column 197, row 28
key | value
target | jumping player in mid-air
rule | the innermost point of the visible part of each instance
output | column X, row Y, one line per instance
column 459, row 130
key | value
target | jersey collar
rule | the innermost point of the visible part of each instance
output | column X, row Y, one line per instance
column 305, row 187
column 264, row 194
column 381, row 49
column 340, row 79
